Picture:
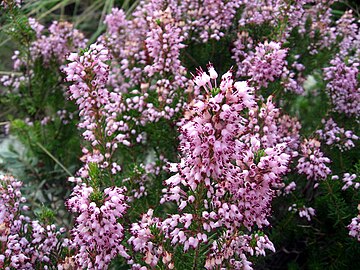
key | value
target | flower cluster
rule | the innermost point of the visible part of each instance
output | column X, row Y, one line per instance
column 259, row 12
column 98, row 107
column 164, row 34
column 286, row 15
column 97, row 235
column 225, row 170
column 54, row 47
column 274, row 128
column 334, row 135
column 107, row 115
column 289, row 128
column 143, row 239
column 318, row 15
column 289, row 188
column 304, row 211
column 24, row 243
column 64, row 116
column 343, row 87
column 311, row 19
column 209, row 19
column 312, row 162
column 354, row 226
column 348, row 30
column 146, row 47
column 63, row 38
column 265, row 64
column 348, row 180
column 243, row 43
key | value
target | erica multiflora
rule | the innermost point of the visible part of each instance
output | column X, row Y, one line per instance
column 25, row 243
column 225, row 180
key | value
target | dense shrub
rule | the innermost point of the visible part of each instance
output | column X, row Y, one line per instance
column 185, row 135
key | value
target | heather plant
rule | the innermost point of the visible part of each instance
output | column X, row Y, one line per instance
column 182, row 135
column 26, row 243
column 33, row 96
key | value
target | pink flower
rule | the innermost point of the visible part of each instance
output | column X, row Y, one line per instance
column 312, row 162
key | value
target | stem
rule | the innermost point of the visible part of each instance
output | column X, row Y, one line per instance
column 4, row 72
column 195, row 257
column 191, row 58
column 54, row 158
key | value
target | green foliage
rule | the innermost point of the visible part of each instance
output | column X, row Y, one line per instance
column 97, row 197
column 215, row 91
column 198, row 55
column 45, row 215
column 18, row 28
column 261, row 153
column 50, row 149
column 94, row 175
